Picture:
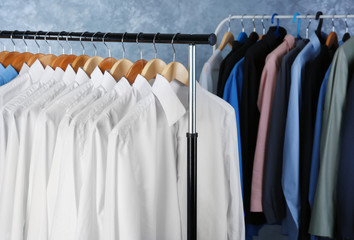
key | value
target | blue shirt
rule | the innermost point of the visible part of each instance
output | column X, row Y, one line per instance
column 2, row 69
column 232, row 94
column 291, row 153
column 7, row 75
column 242, row 37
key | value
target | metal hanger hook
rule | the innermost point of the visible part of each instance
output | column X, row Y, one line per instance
column 308, row 26
column 109, row 50
column 13, row 42
column 49, row 46
column 243, row 27
column 333, row 28
column 3, row 43
column 264, row 29
column 229, row 23
column 82, row 45
column 137, row 42
column 67, row 42
column 254, row 25
column 62, row 47
column 153, row 42
column 123, row 44
column 23, row 38
column 173, row 47
column 93, row 43
column 35, row 40
column 346, row 24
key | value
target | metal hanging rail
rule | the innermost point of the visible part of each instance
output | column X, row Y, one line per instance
column 256, row 16
column 192, row 40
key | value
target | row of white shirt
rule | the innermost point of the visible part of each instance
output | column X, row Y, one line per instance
column 90, row 158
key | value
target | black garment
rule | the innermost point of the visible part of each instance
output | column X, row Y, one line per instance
column 226, row 66
column 273, row 200
column 311, row 85
column 249, row 113
column 345, row 193
column 236, row 45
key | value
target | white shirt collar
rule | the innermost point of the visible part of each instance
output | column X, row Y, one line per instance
column 96, row 77
column 123, row 86
column 36, row 71
column 47, row 74
column 142, row 85
column 81, row 76
column 69, row 75
column 108, row 81
column 168, row 99
column 25, row 68
column 58, row 74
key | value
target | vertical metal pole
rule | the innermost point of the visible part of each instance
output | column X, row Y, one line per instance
column 192, row 152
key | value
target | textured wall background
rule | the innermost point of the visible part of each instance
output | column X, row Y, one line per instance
column 187, row 16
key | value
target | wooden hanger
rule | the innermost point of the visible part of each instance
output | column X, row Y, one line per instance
column 92, row 62
column 154, row 66
column 332, row 39
column 176, row 70
column 122, row 66
column 10, row 56
column 228, row 37
column 3, row 53
column 36, row 56
column 79, row 62
column 48, row 59
column 22, row 58
column 107, row 63
column 137, row 67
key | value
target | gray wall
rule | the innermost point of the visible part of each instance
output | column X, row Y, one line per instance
column 187, row 16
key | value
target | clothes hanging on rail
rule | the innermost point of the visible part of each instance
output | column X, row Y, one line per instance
column 87, row 157
column 299, row 159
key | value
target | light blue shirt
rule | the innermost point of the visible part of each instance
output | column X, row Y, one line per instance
column 7, row 75
column 291, row 158
column 232, row 94
column 2, row 69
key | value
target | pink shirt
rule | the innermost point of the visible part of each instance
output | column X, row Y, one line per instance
column 265, row 100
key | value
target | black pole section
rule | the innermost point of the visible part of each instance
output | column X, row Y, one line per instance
column 113, row 37
column 192, row 186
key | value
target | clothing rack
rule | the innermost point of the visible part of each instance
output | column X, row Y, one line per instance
column 192, row 40
column 262, row 17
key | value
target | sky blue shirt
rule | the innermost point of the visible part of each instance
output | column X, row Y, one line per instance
column 291, row 158
column 2, row 69
column 232, row 94
column 7, row 75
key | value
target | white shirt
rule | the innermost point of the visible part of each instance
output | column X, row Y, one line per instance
column 12, row 151
column 65, row 212
column 91, row 206
column 220, row 208
column 28, row 120
column 45, row 137
column 210, row 72
column 21, row 82
column 141, row 200
column 10, row 93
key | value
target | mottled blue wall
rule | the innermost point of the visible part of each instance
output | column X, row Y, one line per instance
column 187, row 16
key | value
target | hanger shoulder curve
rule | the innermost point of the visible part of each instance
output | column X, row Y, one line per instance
column 152, row 68
column 92, row 63
column 227, row 39
column 66, row 61
column 47, row 60
column 58, row 60
column 34, row 58
column 21, row 59
column 121, row 68
column 80, row 62
column 107, row 64
column 135, row 69
column 2, row 55
column 9, row 58
column 176, row 70
column 332, row 40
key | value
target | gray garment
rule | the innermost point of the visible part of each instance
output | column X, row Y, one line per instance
column 324, row 209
